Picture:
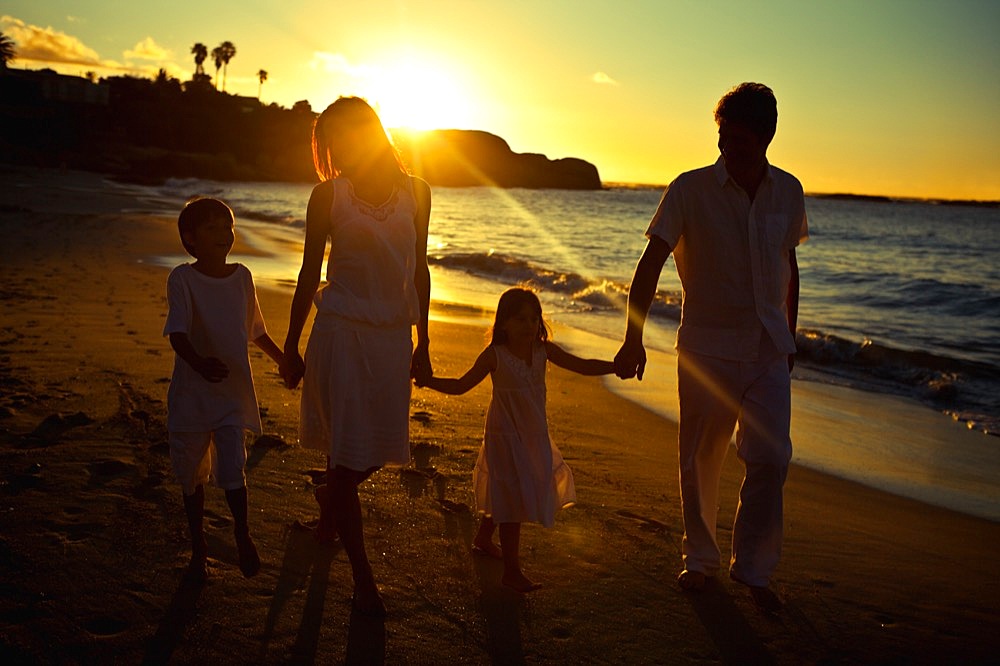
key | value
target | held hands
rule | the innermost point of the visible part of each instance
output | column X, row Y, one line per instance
column 420, row 366
column 630, row 361
column 292, row 369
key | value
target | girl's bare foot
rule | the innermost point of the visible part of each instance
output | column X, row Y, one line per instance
column 520, row 583
column 487, row 548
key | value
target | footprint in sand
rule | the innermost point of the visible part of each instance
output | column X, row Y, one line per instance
column 105, row 626
column 53, row 426
column 645, row 523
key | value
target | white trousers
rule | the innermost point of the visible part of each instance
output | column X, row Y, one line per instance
column 716, row 396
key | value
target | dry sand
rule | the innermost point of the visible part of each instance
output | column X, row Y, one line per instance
column 94, row 541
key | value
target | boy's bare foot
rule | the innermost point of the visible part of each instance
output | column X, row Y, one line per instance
column 247, row 551
column 520, row 583
column 487, row 549
column 691, row 581
column 326, row 532
column 197, row 570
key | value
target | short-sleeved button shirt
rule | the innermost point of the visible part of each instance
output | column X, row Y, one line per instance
column 732, row 257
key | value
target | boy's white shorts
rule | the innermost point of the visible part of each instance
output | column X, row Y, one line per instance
column 219, row 456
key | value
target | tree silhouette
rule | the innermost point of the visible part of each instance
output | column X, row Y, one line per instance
column 217, row 57
column 226, row 52
column 200, row 52
column 262, row 75
column 7, row 50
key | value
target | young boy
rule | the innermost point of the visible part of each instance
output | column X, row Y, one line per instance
column 213, row 314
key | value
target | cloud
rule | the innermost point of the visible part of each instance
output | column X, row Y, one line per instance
column 147, row 49
column 336, row 63
column 603, row 79
column 47, row 45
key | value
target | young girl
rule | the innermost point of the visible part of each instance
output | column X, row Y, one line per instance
column 520, row 475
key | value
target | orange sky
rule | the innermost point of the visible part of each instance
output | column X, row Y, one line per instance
column 896, row 97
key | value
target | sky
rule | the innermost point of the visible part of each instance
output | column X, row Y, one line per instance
column 880, row 97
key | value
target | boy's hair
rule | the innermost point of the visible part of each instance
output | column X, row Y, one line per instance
column 511, row 302
column 196, row 212
column 752, row 104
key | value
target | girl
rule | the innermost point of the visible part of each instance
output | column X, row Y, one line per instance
column 359, row 360
column 520, row 475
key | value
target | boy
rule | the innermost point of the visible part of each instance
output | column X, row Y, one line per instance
column 212, row 315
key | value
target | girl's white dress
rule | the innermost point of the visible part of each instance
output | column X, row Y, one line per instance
column 520, row 475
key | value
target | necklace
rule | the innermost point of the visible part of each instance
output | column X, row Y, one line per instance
column 378, row 213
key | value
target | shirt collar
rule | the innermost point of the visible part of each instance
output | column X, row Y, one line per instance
column 722, row 176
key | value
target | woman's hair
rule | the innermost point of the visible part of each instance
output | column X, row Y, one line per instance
column 198, row 211
column 356, row 114
column 752, row 104
column 511, row 302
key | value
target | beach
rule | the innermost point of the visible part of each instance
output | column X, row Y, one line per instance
column 94, row 540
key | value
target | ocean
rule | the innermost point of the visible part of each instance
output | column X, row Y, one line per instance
column 900, row 303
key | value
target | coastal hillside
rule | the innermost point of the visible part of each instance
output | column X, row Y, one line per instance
column 148, row 130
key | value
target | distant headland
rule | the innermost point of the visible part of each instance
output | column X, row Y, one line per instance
column 148, row 130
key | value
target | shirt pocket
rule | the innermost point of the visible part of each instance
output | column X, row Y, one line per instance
column 776, row 230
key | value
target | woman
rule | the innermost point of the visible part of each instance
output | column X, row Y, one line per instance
column 360, row 356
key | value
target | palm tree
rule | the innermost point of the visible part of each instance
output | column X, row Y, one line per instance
column 217, row 57
column 200, row 52
column 7, row 50
column 226, row 53
column 262, row 75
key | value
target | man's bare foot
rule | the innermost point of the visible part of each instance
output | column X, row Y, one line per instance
column 520, row 583
column 762, row 596
column 487, row 549
column 326, row 532
column 691, row 581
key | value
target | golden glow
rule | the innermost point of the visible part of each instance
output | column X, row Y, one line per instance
column 415, row 92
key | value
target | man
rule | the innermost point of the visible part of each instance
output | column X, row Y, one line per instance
column 733, row 228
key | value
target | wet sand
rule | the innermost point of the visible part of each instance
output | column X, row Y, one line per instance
column 94, row 543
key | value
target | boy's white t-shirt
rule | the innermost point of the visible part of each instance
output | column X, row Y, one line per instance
column 221, row 317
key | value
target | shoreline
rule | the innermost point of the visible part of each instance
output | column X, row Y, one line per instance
column 94, row 544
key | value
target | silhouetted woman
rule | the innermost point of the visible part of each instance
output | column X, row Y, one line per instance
column 360, row 356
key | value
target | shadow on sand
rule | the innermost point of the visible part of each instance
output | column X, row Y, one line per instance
column 731, row 633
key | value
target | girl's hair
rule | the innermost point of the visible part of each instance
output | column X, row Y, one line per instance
column 198, row 211
column 353, row 113
column 511, row 302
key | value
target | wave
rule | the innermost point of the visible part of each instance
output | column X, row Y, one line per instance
column 962, row 388
column 584, row 293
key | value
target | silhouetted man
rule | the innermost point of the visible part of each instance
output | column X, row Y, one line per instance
column 733, row 228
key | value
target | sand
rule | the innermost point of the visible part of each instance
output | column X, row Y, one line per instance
column 94, row 543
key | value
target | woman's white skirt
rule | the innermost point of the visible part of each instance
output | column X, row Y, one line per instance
column 356, row 393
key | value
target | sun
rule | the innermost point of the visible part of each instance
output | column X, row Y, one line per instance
column 418, row 93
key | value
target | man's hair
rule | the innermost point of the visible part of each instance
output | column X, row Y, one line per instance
column 198, row 211
column 752, row 104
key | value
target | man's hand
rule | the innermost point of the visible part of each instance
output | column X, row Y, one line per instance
column 630, row 361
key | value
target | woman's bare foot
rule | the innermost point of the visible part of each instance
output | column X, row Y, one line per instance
column 367, row 601
column 520, row 583
column 326, row 532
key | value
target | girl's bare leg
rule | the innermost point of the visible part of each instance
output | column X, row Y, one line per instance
column 510, row 544
column 483, row 544
column 342, row 488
